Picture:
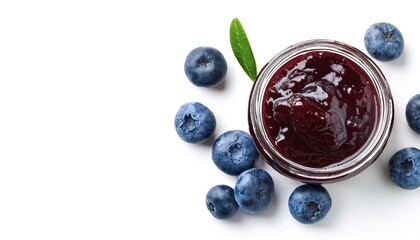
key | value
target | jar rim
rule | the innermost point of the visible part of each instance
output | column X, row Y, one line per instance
column 351, row 165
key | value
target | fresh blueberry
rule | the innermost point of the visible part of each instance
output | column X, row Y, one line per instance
column 221, row 203
column 309, row 203
column 205, row 67
column 404, row 168
column 254, row 190
column 412, row 113
column 194, row 122
column 384, row 41
column 234, row 152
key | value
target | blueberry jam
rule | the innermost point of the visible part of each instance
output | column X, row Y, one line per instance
column 319, row 108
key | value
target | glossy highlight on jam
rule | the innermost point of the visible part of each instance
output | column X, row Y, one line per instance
column 319, row 108
column 320, row 111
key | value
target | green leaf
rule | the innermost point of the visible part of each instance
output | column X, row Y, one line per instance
column 242, row 49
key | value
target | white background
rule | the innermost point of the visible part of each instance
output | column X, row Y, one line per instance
column 88, row 93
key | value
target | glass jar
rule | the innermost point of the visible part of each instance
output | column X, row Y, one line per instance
column 320, row 111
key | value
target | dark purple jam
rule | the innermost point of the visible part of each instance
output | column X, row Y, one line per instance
column 319, row 108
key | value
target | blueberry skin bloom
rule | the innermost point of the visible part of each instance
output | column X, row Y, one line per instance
column 412, row 113
column 234, row 152
column 309, row 204
column 384, row 41
column 404, row 168
column 205, row 67
column 194, row 122
column 254, row 190
column 221, row 203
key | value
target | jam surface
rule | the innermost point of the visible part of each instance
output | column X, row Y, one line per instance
column 319, row 108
